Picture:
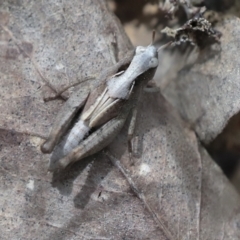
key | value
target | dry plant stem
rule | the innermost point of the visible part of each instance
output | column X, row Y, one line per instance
column 140, row 195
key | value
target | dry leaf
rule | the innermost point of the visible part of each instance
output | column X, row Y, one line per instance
column 207, row 94
column 185, row 194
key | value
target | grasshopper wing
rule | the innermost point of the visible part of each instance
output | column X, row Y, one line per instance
column 96, row 141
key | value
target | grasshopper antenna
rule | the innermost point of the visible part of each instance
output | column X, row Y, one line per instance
column 153, row 36
column 164, row 46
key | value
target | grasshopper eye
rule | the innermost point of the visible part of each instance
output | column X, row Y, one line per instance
column 153, row 62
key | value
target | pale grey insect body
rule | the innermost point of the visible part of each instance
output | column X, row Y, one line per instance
column 118, row 87
column 107, row 113
column 144, row 59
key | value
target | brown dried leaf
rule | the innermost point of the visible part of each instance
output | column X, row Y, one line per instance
column 186, row 191
column 63, row 43
column 207, row 95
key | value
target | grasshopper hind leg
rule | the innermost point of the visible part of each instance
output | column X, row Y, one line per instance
column 131, row 129
column 94, row 143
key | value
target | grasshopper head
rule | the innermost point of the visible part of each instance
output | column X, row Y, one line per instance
column 147, row 57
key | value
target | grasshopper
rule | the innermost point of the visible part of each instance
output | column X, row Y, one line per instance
column 104, row 110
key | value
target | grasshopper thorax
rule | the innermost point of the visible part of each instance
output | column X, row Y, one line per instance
column 145, row 58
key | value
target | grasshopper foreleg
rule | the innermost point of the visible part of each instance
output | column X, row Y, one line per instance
column 59, row 93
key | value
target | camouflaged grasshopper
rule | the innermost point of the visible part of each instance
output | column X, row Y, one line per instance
column 105, row 109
